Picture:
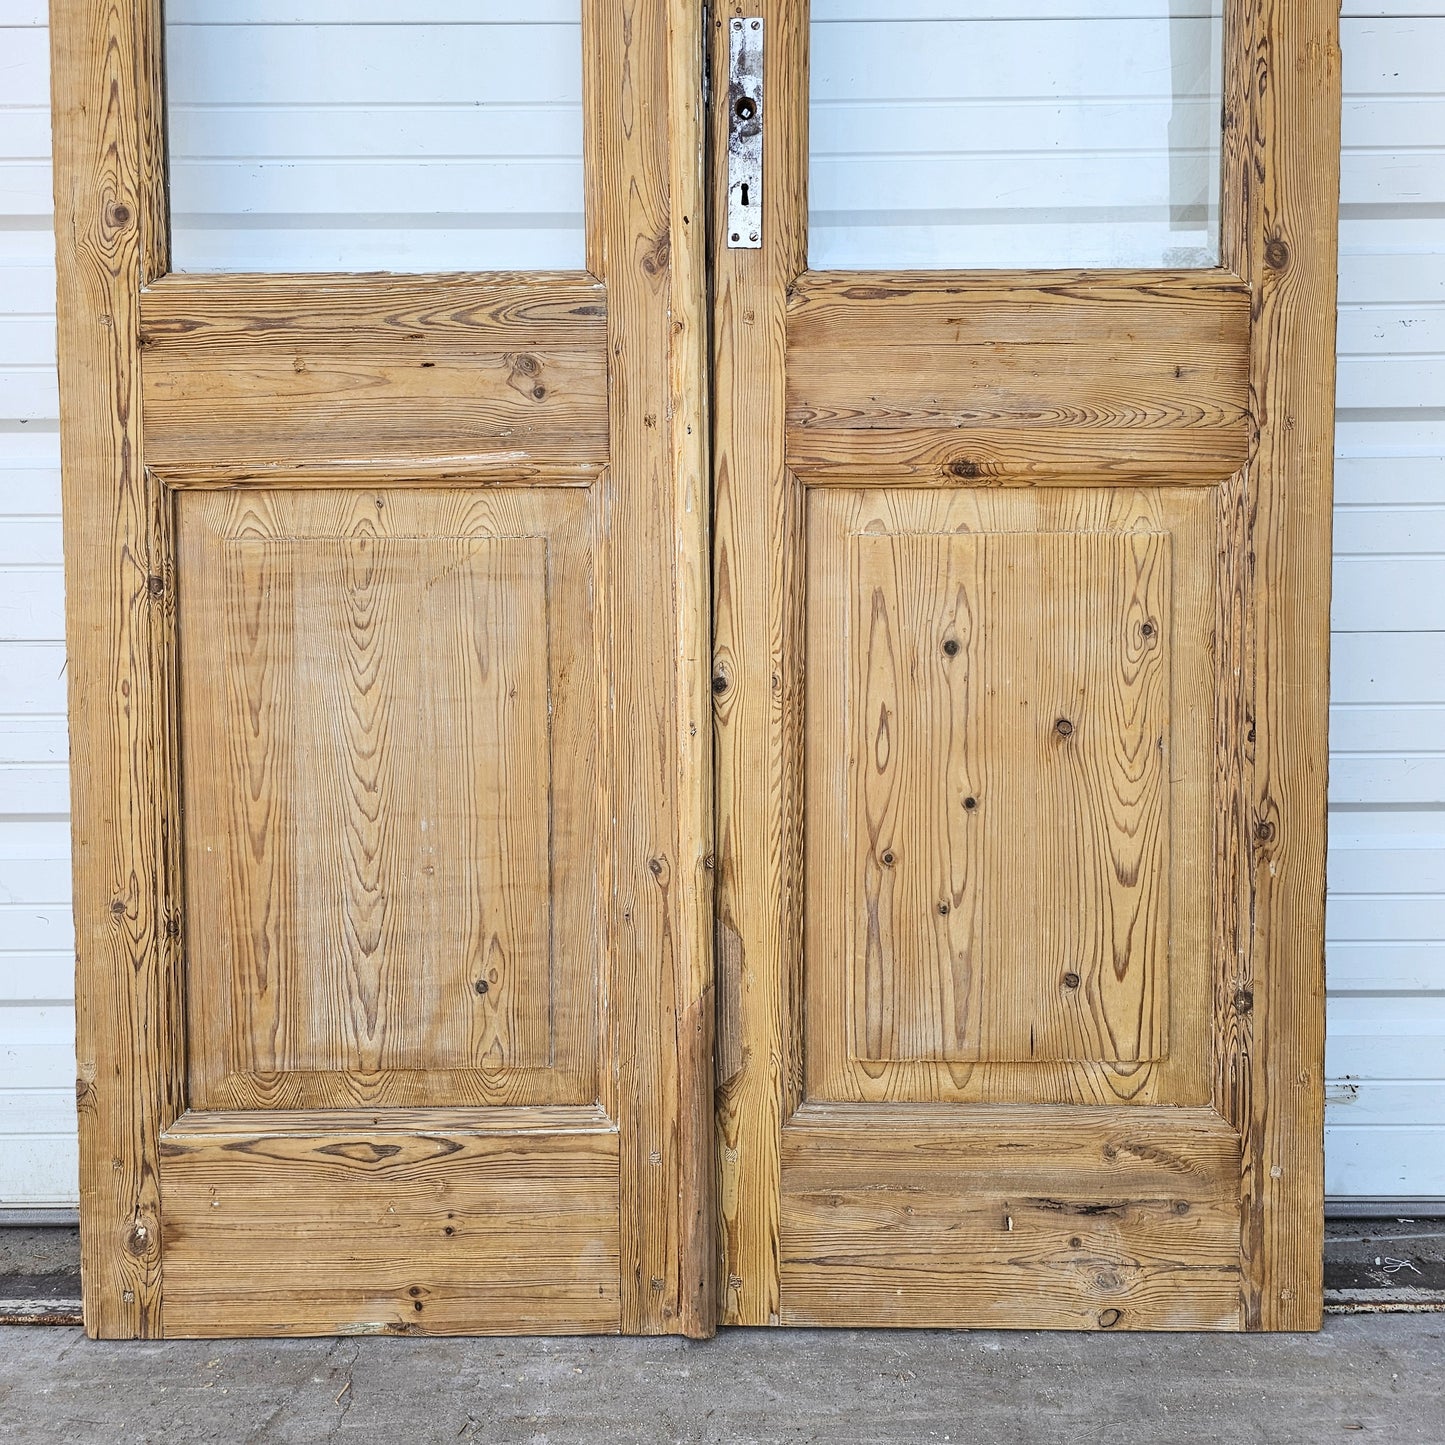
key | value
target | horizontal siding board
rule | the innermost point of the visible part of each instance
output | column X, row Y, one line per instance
column 1381, row 1162
column 32, row 605
column 34, row 677
column 37, row 1046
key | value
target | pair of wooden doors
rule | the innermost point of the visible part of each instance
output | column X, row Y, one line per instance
column 580, row 831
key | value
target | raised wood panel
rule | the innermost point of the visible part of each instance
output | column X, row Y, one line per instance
column 283, row 378
column 1006, row 714
column 1009, row 806
column 1010, row 1218
column 400, row 1233
column 935, row 378
column 391, row 822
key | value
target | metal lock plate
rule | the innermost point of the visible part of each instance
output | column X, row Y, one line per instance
column 745, row 134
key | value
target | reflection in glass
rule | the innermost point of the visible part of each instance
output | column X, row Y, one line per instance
column 371, row 135
column 1004, row 133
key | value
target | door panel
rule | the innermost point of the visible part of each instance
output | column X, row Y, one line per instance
column 393, row 827
column 387, row 636
column 1021, row 586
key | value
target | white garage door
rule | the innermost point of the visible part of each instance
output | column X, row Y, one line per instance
column 1387, row 871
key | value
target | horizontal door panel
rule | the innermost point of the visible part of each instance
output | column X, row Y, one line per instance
column 283, row 378
column 401, row 1233
column 1015, row 1218
column 933, row 379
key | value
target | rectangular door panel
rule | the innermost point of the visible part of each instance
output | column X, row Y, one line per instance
column 1008, row 762
column 296, row 1226
column 390, row 766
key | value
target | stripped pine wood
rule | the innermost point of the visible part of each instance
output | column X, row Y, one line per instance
column 1029, row 465
column 954, row 934
column 993, row 679
column 935, row 379
column 501, row 377
column 758, row 601
column 1271, row 1057
column 1096, row 1224
column 376, row 850
column 129, row 1076
column 403, row 1234
column 644, row 157
column 434, row 753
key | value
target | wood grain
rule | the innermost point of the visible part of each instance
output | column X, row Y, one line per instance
column 645, row 241
column 403, row 1233
column 344, row 682
column 1011, row 1219
column 757, row 668
column 391, row 776
column 118, row 620
column 1271, row 1059
column 932, row 405
column 931, row 378
column 1006, row 885
column 484, row 378
column 1051, row 941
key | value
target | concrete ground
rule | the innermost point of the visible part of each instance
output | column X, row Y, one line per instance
column 1379, row 1377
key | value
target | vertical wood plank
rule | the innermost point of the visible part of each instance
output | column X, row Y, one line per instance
column 1273, row 1067
column 118, row 622
column 757, row 682
column 644, row 233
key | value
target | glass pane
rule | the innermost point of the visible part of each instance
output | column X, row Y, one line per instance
column 1052, row 133
column 375, row 135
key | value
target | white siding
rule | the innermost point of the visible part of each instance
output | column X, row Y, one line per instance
column 37, row 1076
column 1387, row 868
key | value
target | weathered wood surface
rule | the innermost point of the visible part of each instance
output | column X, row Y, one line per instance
column 395, row 837
column 1050, row 942
column 285, row 378
column 378, row 649
column 400, row 1233
column 937, row 379
column 1146, row 389
column 646, row 241
column 1006, row 710
column 1284, row 155
column 757, row 674
column 118, row 624
column 1010, row 1218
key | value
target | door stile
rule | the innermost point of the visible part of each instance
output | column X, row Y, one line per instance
column 1283, row 241
column 758, row 563
column 130, row 1069
column 645, row 241
column 643, row 165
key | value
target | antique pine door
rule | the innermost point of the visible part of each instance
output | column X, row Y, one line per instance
column 1022, row 535
column 392, row 760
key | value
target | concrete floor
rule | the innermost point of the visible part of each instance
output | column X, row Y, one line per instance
column 1376, row 1377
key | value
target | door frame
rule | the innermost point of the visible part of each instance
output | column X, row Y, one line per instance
column 645, row 241
column 1281, row 158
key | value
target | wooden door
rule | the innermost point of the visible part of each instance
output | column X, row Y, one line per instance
column 392, row 766
column 1021, row 611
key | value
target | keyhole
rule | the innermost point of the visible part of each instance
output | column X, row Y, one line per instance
column 745, row 194
column 744, row 108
